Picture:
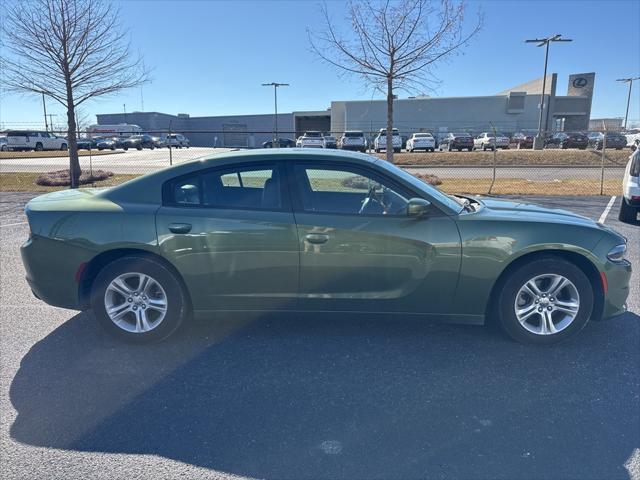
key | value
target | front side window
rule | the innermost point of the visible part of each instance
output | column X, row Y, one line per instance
column 252, row 188
column 346, row 190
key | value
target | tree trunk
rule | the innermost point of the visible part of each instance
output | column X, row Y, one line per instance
column 72, row 140
column 389, row 120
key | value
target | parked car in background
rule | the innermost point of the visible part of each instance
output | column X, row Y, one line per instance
column 221, row 234
column 282, row 142
column 87, row 143
column 34, row 140
column 613, row 140
column 632, row 137
column 380, row 142
column 491, row 141
column 630, row 205
column 3, row 144
column 522, row 140
column 110, row 143
column 456, row 141
column 139, row 142
column 353, row 140
column 310, row 139
column 567, row 140
column 159, row 142
column 177, row 140
column 421, row 141
column 329, row 141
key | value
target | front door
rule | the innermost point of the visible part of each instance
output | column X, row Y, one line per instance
column 360, row 251
column 231, row 234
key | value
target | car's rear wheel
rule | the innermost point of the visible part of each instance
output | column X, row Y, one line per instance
column 38, row 147
column 545, row 301
column 63, row 147
column 139, row 300
column 628, row 213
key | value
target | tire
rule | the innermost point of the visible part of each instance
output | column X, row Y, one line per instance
column 377, row 150
column 537, row 269
column 3, row 148
column 64, row 147
column 628, row 213
column 113, row 147
column 139, row 148
column 38, row 147
column 470, row 149
column 449, row 149
column 484, row 147
column 171, row 291
column 125, row 148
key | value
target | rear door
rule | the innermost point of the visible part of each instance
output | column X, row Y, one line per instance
column 360, row 251
column 231, row 233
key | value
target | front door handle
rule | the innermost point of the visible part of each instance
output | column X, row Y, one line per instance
column 317, row 238
column 180, row 227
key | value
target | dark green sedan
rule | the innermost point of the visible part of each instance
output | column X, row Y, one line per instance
column 323, row 231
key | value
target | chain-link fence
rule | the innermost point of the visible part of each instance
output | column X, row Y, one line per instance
column 474, row 162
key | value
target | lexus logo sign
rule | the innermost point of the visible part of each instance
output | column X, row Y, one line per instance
column 580, row 82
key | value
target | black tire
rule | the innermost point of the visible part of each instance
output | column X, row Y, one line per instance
column 113, row 147
column 470, row 149
column 511, row 285
column 177, row 303
column 139, row 148
column 628, row 213
column 38, row 147
column 449, row 149
column 64, row 147
column 125, row 148
column 484, row 147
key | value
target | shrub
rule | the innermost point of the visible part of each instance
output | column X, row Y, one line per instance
column 60, row 178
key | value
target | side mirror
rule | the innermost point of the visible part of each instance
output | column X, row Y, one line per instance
column 418, row 207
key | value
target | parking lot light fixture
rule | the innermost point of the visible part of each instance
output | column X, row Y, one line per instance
column 630, row 82
column 538, row 141
column 275, row 86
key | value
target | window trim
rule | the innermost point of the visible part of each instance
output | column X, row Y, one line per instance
column 167, row 194
column 296, row 195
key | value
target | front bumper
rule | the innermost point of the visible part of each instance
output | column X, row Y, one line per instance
column 618, row 277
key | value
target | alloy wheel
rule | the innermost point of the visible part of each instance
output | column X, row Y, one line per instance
column 547, row 304
column 135, row 302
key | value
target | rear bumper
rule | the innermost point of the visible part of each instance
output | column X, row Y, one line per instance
column 50, row 272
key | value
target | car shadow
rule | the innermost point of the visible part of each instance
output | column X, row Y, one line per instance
column 340, row 397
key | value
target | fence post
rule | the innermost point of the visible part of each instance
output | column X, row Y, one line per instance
column 495, row 150
column 169, row 142
column 604, row 147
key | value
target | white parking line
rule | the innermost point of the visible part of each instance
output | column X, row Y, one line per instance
column 13, row 224
column 607, row 209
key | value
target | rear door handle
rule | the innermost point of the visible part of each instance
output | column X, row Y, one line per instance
column 180, row 227
column 317, row 238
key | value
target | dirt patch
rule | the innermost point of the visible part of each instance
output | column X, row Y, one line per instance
column 26, row 182
column 61, row 178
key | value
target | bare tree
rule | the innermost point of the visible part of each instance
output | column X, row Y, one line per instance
column 394, row 45
column 70, row 50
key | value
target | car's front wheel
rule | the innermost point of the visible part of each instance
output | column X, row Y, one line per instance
column 545, row 301
column 138, row 299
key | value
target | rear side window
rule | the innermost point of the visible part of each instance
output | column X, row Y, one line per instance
column 245, row 188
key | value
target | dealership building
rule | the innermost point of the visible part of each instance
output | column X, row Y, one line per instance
column 513, row 110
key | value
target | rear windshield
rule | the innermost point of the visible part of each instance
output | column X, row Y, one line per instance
column 312, row 134
column 353, row 134
column 423, row 135
column 463, row 135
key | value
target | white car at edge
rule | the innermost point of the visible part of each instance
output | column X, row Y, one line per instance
column 630, row 204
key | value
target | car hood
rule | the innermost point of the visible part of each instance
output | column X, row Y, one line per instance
column 532, row 212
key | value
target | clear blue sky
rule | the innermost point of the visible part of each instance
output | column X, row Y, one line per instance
column 210, row 57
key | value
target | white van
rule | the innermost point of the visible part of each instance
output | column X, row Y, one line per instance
column 34, row 140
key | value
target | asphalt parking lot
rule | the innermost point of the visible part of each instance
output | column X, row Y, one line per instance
column 311, row 398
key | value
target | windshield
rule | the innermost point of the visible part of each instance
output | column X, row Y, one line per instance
column 312, row 134
column 353, row 134
column 449, row 201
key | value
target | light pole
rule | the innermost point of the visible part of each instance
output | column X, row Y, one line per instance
column 538, row 142
column 630, row 82
column 275, row 143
